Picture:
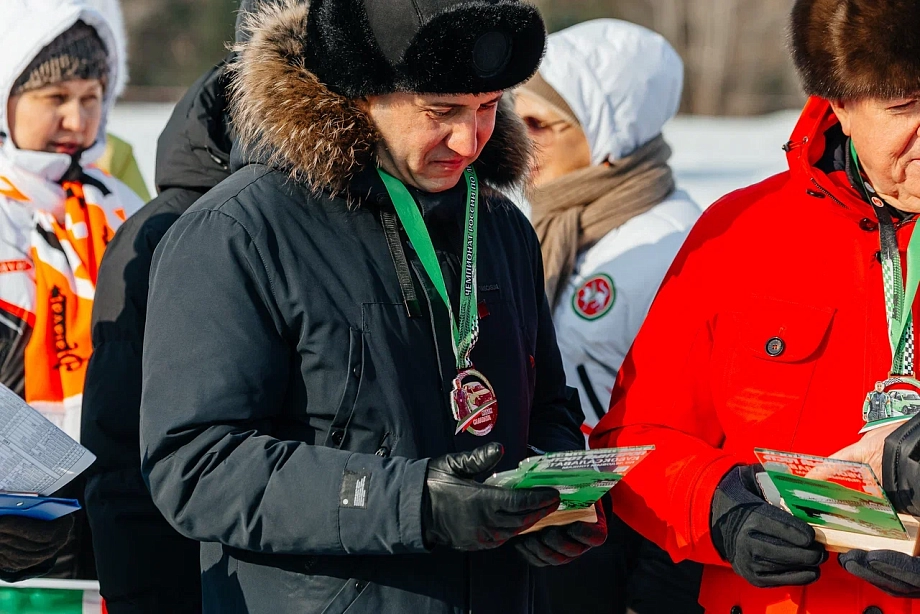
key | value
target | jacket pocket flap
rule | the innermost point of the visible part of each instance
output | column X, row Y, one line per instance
column 784, row 332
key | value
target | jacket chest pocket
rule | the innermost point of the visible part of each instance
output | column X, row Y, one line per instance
column 338, row 430
column 765, row 358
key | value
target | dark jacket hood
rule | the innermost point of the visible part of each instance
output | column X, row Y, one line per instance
column 286, row 118
column 193, row 151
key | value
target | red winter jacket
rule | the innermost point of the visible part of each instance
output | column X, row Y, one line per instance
column 792, row 257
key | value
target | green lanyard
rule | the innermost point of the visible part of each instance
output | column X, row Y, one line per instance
column 899, row 297
column 466, row 330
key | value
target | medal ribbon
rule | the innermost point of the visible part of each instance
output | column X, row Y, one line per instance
column 465, row 329
column 899, row 297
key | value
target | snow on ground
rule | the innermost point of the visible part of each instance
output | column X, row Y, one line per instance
column 712, row 156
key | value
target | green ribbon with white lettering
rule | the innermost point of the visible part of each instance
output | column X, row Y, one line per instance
column 465, row 329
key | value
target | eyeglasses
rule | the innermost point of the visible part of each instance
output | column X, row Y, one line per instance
column 538, row 127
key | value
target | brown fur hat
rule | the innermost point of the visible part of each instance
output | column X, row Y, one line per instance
column 850, row 49
column 286, row 117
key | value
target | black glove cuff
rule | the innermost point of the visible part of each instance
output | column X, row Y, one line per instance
column 738, row 487
column 901, row 467
column 733, row 501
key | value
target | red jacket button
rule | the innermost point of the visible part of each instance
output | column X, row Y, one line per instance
column 775, row 347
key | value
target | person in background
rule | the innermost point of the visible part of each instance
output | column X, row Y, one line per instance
column 610, row 220
column 145, row 566
column 118, row 157
column 297, row 413
column 780, row 316
column 58, row 213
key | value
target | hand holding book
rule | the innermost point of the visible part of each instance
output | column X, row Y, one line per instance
column 869, row 448
column 582, row 477
column 765, row 545
column 558, row 545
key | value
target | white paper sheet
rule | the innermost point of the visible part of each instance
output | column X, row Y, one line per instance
column 35, row 455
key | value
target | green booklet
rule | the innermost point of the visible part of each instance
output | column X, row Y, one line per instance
column 581, row 477
column 827, row 492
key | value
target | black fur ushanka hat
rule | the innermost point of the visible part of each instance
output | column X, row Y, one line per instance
column 295, row 107
column 368, row 47
column 850, row 49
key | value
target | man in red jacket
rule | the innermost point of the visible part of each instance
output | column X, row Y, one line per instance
column 772, row 328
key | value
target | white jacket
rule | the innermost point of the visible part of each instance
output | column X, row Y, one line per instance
column 606, row 300
column 111, row 11
column 623, row 82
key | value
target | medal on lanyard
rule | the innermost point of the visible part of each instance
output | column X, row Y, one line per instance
column 472, row 398
column 896, row 398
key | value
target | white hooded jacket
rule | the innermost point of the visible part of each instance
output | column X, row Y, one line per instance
column 623, row 83
column 111, row 11
column 32, row 200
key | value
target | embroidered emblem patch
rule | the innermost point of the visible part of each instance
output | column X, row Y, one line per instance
column 595, row 297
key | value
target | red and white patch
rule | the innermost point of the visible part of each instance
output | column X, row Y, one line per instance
column 595, row 297
column 15, row 266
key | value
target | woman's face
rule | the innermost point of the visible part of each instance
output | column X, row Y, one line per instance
column 561, row 147
column 59, row 118
column 886, row 134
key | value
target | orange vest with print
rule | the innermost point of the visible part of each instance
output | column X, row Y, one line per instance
column 52, row 238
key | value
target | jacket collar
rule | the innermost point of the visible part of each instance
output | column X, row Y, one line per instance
column 806, row 148
column 286, row 118
column 367, row 188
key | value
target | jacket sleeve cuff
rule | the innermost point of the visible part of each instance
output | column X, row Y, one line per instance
column 380, row 505
column 25, row 574
column 705, row 484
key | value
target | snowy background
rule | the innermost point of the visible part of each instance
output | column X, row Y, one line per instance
column 712, row 156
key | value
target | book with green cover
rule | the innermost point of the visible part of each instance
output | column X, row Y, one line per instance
column 827, row 492
column 581, row 477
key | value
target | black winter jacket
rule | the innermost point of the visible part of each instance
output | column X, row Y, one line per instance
column 281, row 367
column 144, row 565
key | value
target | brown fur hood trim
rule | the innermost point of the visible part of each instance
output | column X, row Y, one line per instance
column 285, row 117
column 850, row 49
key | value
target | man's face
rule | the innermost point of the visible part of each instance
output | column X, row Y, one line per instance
column 428, row 139
column 885, row 133
column 59, row 118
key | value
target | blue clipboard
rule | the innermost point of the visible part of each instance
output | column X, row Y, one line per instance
column 40, row 508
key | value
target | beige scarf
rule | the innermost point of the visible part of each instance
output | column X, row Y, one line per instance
column 575, row 211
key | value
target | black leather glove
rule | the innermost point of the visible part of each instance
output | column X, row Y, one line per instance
column 895, row 573
column 562, row 544
column 463, row 514
column 764, row 544
column 30, row 545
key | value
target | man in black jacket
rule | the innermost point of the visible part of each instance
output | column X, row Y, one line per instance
column 330, row 329
column 144, row 565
